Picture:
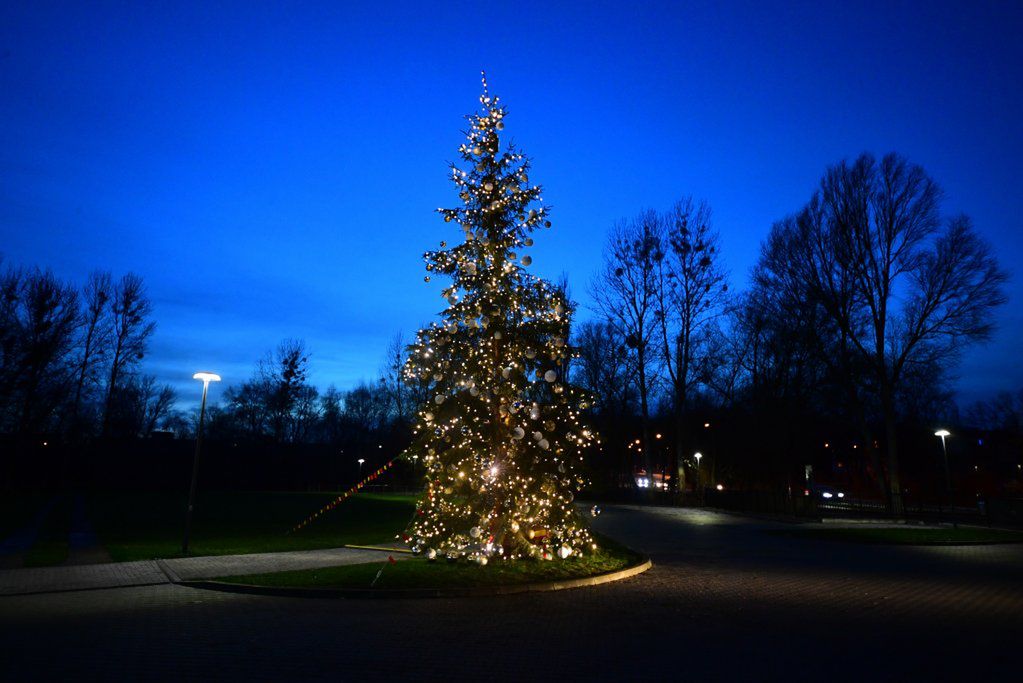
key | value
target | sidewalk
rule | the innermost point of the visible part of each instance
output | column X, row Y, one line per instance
column 152, row 572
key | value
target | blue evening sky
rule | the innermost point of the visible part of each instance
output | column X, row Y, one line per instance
column 271, row 170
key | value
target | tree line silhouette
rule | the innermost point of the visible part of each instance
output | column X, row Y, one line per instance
column 839, row 353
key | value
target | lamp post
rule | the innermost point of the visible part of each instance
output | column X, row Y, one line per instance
column 944, row 450
column 205, row 378
column 361, row 460
column 699, row 486
column 714, row 453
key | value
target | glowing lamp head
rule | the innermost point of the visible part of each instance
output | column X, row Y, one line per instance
column 206, row 377
column 698, row 456
column 943, row 433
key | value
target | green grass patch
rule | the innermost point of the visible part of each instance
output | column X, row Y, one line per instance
column 138, row 526
column 907, row 535
column 47, row 553
column 418, row 572
column 51, row 546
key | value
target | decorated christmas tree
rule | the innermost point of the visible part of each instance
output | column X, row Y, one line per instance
column 502, row 437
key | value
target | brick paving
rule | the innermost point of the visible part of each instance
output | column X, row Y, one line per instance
column 143, row 573
column 724, row 601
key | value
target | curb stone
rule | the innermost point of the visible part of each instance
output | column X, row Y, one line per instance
column 474, row 592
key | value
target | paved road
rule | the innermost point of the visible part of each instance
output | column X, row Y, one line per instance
column 725, row 601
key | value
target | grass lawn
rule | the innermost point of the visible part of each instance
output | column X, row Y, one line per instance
column 907, row 535
column 417, row 572
column 139, row 526
column 51, row 546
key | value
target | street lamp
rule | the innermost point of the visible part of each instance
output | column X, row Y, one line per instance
column 714, row 452
column 944, row 450
column 361, row 460
column 205, row 378
column 699, row 486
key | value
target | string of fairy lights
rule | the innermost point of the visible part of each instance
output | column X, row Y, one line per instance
column 503, row 436
column 343, row 497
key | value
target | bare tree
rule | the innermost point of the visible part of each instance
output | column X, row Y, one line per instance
column 331, row 415
column 146, row 404
column 691, row 292
column 902, row 292
column 305, row 414
column 10, row 334
column 246, row 405
column 130, row 332
column 606, row 367
column 393, row 379
column 365, row 409
column 1003, row 412
column 94, row 338
column 48, row 321
column 625, row 293
column 283, row 372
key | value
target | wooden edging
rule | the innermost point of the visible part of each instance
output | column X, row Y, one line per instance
column 479, row 591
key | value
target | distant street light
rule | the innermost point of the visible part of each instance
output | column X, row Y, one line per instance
column 714, row 453
column 205, row 378
column 699, row 486
column 944, row 450
column 361, row 460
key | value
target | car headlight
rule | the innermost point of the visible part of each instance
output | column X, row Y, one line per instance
column 826, row 495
